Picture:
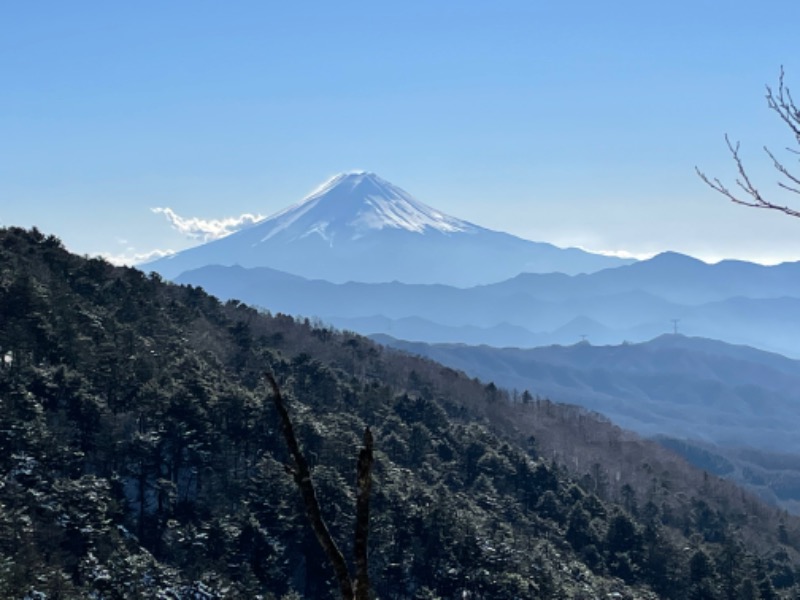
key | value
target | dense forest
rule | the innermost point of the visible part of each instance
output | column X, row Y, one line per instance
column 141, row 456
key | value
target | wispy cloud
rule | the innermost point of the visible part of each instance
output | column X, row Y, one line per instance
column 195, row 228
column 130, row 257
column 624, row 254
column 207, row 229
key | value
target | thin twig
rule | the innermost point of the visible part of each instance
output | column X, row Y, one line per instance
column 783, row 104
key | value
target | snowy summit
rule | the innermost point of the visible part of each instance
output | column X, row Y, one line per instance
column 351, row 204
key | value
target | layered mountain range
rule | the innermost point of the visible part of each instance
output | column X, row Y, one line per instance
column 741, row 303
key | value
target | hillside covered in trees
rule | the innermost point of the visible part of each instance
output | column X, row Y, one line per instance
column 141, row 456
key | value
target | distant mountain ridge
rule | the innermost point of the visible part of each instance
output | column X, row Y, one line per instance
column 737, row 302
column 359, row 227
column 669, row 275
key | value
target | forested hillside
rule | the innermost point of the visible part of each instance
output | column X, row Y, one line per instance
column 141, row 456
column 732, row 410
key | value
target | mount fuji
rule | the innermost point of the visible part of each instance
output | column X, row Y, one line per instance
column 359, row 227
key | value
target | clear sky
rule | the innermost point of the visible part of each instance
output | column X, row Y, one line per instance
column 573, row 122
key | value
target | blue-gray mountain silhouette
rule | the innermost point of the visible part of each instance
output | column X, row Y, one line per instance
column 359, row 227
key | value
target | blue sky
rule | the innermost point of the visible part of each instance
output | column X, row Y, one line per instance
column 578, row 123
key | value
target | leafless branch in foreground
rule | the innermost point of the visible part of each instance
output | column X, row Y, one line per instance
column 783, row 104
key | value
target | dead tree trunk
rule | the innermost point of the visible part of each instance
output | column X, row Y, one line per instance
column 350, row 590
column 363, row 488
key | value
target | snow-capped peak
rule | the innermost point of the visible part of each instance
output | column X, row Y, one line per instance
column 351, row 204
column 359, row 227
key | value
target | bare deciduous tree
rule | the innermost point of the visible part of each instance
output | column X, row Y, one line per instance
column 782, row 103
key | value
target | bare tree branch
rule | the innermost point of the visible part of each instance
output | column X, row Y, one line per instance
column 781, row 168
column 783, row 104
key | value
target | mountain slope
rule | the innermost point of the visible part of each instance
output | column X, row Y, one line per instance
column 140, row 457
column 732, row 410
column 673, row 385
column 359, row 227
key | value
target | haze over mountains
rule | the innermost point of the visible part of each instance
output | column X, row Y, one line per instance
column 741, row 303
column 359, row 227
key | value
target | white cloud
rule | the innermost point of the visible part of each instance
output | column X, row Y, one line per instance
column 624, row 254
column 204, row 230
column 131, row 257
column 207, row 229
